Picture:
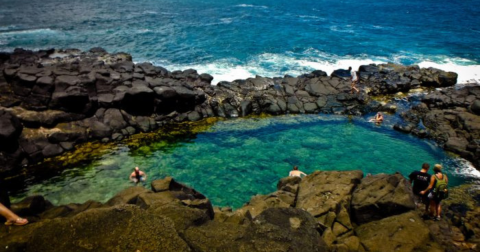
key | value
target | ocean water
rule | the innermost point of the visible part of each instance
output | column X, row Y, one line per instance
column 233, row 39
column 236, row 159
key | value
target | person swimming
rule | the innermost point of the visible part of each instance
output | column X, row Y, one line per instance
column 138, row 176
column 377, row 119
column 296, row 173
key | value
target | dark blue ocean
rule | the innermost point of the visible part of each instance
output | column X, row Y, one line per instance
column 233, row 39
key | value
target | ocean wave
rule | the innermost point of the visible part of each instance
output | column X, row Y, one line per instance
column 43, row 31
column 469, row 74
column 346, row 29
column 289, row 63
column 460, row 167
column 251, row 6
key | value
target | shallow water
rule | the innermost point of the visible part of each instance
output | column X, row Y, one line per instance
column 236, row 159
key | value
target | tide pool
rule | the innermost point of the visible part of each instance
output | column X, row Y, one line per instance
column 235, row 159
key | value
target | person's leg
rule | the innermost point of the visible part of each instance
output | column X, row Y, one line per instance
column 439, row 210
column 433, row 207
column 5, row 212
column 12, row 218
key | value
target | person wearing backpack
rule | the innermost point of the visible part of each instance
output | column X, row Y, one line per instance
column 439, row 183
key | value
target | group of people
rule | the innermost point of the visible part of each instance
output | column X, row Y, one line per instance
column 430, row 189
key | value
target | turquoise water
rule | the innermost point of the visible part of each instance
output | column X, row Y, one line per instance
column 236, row 159
column 236, row 39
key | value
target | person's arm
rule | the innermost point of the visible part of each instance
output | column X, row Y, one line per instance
column 446, row 178
column 430, row 186
column 144, row 175
column 304, row 174
column 132, row 175
column 290, row 174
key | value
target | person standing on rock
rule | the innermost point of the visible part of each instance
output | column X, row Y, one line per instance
column 296, row 173
column 421, row 180
column 354, row 79
column 439, row 182
column 138, row 176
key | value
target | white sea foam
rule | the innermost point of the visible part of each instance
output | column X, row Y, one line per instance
column 469, row 74
column 278, row 65
column 46, row 31
column 464, row 168
column 251, row 6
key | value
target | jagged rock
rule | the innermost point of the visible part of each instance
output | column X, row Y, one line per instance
column 52, row 150
column 127, row 196
column 10, row 130
column 148, row 199
column 475, row 107
column 182, row 216
column 260, row 203
column 194, row 116
column 283, row 229
column 98, row 129
column 404, row 232
column 73, row 99
column 113, row 118
column 123, row 223
column 321, row 191
column 215, row 237
column 289, row 184
column 30, row 206
column 202, row 204
column 138, row 100
column 381, row 196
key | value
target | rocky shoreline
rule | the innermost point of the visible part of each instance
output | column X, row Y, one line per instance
column 325, row 211
column 52, row 100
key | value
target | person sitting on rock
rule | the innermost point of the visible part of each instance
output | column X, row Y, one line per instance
column 138, row 176
column 421, row 180
column 377, row 119
column 296, row 173
column 12, row 219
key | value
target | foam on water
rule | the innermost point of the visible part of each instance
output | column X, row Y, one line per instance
column 45, row 31
column 278, row 65
column 469, row 74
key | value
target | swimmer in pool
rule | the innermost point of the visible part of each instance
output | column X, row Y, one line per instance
column 138, row 176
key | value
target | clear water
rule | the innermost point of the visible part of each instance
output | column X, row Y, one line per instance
column 237, row 159
column 233, row 39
